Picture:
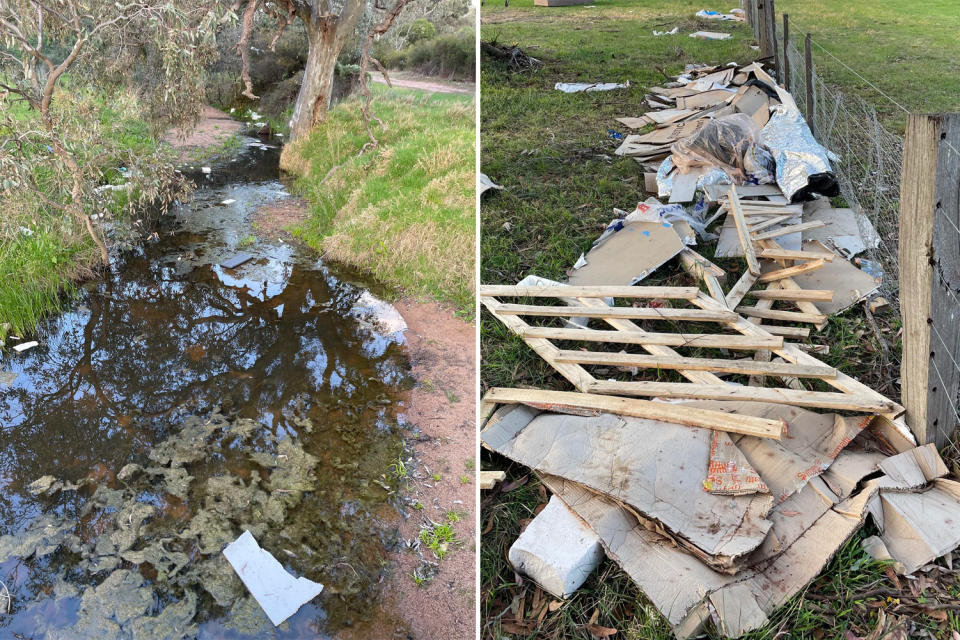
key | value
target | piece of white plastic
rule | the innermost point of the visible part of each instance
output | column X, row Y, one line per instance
column 278, row 593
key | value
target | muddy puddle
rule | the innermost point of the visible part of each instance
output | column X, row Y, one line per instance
column 177, row 403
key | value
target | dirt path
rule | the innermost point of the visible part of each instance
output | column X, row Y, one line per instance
column 442, row 405
column 214, row 127
column 434, row 85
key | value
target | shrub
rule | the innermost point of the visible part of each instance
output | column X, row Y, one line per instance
column 421, row 29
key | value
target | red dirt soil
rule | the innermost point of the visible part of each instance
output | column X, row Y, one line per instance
column 214, row 127
column 443, row 406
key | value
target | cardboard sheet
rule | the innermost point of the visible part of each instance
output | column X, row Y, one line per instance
column 849, row 284
column 811, row 526
column 651, row 467
column 846, row 232
column 629, row 255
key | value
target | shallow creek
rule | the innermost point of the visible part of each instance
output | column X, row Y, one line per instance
column 177, row 403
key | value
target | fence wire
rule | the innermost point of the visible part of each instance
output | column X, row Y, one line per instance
column 870, row 160
column 869, row 172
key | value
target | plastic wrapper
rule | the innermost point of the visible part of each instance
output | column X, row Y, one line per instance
column 723, row 142
column 803, row 164
column 666, row 172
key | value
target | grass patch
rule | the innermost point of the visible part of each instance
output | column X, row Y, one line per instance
column 554, row 154
column 906, row 50
column 405, row 212
column 440, row 538
column 43, row 252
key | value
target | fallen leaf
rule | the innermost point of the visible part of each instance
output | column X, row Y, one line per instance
column 553, row 606
column 507, row 487
column 512, row 627
column 593, row 618
column 487, row 529
column 892, row 576
column 597, row 631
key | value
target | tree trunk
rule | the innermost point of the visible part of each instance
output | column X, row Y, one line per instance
column 313, row 101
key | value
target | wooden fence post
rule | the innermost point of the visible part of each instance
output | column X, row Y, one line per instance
column 808, row 76
column 763, row 27
column 930, row 275
column 786, row 52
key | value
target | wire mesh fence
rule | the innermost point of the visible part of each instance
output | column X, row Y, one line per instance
column 869, row 159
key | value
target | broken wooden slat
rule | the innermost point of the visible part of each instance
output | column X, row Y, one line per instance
column 748, row 367
column 789, row 272
column 565, row 401
column 489, row 479
column 786, row 316
column 760, row 226
column 810, row 295
column 588, row 291
column 701, row 340
column 744, row 232
column 633, row 313
column 689, row 257
column 786, row 332
column 744, row 284
column 794, row 228
column 786, row 254
column 817, row 399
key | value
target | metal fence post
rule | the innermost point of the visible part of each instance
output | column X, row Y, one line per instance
column 930, row 275
column 772, row 37
column 808, row 75
column 786, row 52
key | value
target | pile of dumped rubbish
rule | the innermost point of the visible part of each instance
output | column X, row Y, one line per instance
column 707, row 450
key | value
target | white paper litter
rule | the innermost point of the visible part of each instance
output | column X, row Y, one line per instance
column 276, row 591
column 228, row 201
column 20, row 348
column 672, row 32
column 577, row 87
column 487, row 183
column 710, row 35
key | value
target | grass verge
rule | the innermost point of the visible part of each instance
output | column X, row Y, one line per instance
column 554, row 154
column 906, row 50
column 405, row 212
column 43, row 252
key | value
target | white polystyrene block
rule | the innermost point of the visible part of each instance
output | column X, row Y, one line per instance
column 557, row 550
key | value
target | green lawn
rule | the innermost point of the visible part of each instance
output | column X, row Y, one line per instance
column 907, row 50
column 405, row 212
column 553, row 153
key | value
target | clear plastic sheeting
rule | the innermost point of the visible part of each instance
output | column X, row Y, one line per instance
column 665, row 174
column 802, row 163
column 727, row 143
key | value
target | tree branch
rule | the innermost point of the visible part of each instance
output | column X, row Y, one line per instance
column 365, row 60
column 243, row 47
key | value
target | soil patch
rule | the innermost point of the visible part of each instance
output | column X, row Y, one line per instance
column 214, row 128
column 442, row 405
column 424, row 83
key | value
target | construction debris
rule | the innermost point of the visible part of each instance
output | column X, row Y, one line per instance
column 276, row 591
column 749, row 462
column 557, row 550
column 577, row 87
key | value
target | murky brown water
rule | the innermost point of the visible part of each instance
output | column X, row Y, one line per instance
column 260, row 398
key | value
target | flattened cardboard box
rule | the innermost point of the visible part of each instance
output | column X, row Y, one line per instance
column 629, row 255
